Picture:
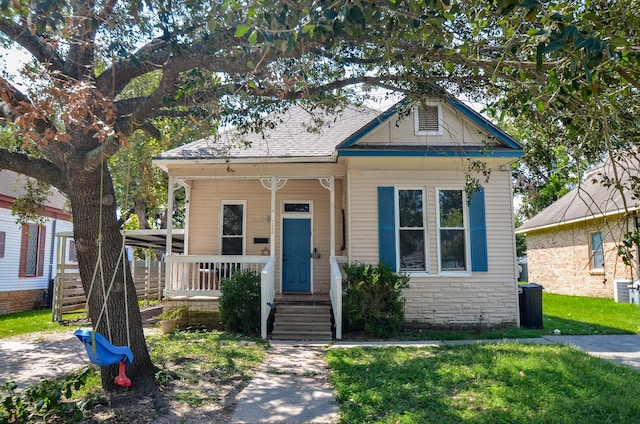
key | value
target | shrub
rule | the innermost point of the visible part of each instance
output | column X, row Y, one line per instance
column 372, row 300
column 47, row 401
column 240, row 302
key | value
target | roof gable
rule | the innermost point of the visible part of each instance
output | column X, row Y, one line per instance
column 462, row 132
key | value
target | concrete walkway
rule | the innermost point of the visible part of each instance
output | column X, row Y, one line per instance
column 291, row 386
column 27, row 360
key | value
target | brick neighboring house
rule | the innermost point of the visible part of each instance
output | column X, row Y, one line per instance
column 27, row 252
column 572, row 245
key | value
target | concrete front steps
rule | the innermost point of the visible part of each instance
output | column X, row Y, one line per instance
column 301, row 321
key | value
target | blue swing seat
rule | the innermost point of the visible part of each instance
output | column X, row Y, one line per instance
column 105, row 353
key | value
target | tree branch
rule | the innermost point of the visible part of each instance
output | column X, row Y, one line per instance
column 40, row 169
column 42, row 51
column 148, row 58
column 14, row 104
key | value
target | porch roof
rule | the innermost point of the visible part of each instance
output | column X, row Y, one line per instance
column 148, row 239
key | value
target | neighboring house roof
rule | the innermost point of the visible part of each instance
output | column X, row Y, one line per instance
column 12, row 186
column 338, row 135
column 591, row 199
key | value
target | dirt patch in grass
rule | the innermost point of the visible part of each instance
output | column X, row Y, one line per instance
column 177, row 402
column 199, row 377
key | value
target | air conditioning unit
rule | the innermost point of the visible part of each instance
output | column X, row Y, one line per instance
column 621, row 291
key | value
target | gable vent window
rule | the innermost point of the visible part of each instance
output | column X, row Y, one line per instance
column 427, row 120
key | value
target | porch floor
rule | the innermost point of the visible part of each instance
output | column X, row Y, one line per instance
column 308, row 298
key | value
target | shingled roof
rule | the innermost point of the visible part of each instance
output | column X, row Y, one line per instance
column 591, row 199
column 292, row 138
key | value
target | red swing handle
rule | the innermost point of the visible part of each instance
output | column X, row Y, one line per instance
column 121, row 379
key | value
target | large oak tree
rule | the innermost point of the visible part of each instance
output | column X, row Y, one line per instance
column 226, row 62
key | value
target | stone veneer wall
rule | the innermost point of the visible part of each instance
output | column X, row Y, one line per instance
column 21, row 301
column 199, row 312
column 559, row 260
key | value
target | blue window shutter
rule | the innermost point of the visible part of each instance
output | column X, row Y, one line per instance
column 478, row 229
column 386, row 226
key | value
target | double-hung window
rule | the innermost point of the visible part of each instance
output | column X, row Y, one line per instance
column 233, row 228
column 597, row 252
column 452, row 231
column 412, row 229
column 403, row 238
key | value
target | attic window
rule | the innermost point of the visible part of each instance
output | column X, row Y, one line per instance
column 427, row 120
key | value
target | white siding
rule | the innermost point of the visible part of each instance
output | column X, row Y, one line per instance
column 478, row 298
column 10, row 264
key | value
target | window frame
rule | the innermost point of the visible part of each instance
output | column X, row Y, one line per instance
column 41, row 240
column 72, row 252
column 416, row 119
column 399, row 228
column 592, row 252
column 221, row 237
column 464, row 229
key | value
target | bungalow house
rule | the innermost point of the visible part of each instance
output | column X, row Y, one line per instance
column 27, row 251
column 368, row 186
column 572, row 245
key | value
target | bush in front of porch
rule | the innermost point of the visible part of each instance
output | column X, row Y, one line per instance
column 240, row 302
column 372, row 300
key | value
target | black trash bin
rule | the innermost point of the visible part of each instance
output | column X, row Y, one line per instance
column 530, row 299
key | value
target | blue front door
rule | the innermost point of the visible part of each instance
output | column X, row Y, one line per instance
column 296, row 255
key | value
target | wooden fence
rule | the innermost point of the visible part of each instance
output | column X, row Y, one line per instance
column 69, row 296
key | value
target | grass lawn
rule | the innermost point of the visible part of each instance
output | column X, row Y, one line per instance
column 572, row 315
column 481, row 383
column 27, row 322
column 589, row 315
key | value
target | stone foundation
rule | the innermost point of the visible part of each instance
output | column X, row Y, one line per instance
column 195, row 312
column 22, row 301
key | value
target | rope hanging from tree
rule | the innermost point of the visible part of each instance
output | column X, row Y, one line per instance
column 100, row 350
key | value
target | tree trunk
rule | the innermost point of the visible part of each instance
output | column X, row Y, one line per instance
column 97, row 236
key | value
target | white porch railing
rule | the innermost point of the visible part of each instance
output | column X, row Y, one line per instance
column 335, row 292
column 267, row 294
column 191, row 275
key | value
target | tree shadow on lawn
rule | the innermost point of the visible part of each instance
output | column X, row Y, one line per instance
column 483, row 383
column 570, row 327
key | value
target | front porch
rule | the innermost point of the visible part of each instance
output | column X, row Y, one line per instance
column 193, row 283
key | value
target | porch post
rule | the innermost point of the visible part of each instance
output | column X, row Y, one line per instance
column 329, row 184
column 272, row 234
column 332, row 212
column 169, row 240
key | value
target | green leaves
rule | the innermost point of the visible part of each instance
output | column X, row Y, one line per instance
column 241, row 30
